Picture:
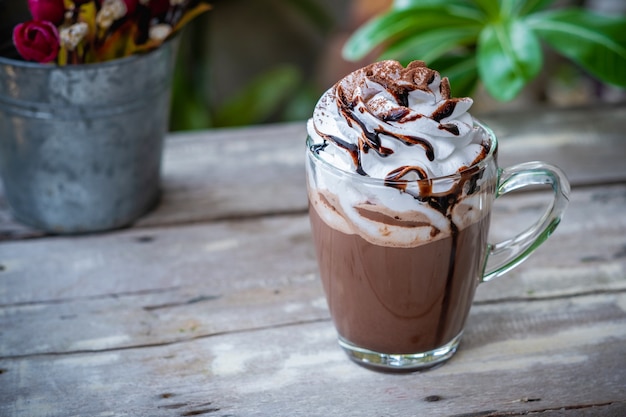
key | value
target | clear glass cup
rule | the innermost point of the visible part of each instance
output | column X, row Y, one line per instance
column 400, row 261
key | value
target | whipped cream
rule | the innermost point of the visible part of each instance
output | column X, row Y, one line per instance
column 399, row 125
column 390, row 122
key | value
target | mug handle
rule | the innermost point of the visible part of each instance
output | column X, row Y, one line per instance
column 506, row 255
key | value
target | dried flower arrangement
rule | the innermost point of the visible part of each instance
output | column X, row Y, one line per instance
column 88, row 31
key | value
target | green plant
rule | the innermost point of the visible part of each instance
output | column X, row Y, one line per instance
column 498, row 42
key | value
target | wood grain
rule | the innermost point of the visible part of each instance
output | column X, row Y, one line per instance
column 515, row 359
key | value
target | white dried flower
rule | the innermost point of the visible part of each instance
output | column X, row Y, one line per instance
column 72, row 35
column 159, row 32
column 111, row 11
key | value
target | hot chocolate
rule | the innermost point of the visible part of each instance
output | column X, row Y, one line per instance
column 400, row 197
column 399, row 299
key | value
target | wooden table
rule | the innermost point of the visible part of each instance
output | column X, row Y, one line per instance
column 211, row 304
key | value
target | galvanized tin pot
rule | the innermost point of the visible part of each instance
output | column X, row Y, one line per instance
column 81, row 146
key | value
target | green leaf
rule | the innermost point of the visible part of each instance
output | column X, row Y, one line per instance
column 395, row 25
column 523, row 8
column 490, row 7
column 411, row 4
column 261, row 98
column 301, row 103
column 461, row 70
column 188, row 110
column 430, row 45
column 509, row 56
column 595, row 42
column 376, row 31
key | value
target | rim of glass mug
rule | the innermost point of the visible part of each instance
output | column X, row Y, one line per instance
column 381, row 181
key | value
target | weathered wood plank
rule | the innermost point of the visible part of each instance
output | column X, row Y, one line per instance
column 230, row 173
column 587, row 143
column 162, row 285
column 516, row 358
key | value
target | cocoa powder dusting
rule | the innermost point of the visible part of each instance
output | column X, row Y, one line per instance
column 416, row 76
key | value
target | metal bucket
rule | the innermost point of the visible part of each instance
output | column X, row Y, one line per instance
column 81, row 146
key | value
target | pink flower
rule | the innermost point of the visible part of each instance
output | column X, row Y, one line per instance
column 131, row 6
column 37, row 41
column 158, row 7
column 51, row 10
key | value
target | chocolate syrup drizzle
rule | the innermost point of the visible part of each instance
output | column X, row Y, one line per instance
column 415, row 76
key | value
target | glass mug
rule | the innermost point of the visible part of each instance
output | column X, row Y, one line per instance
column 401, row 305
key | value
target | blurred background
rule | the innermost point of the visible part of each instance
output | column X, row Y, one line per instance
column 260, row 61
column 266, row 61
